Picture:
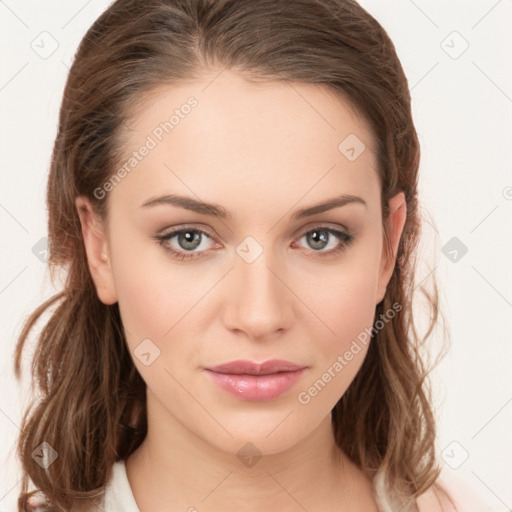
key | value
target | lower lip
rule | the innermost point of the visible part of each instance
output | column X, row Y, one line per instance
column 256, row 388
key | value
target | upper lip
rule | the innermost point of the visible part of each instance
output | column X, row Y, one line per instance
column 253, row 368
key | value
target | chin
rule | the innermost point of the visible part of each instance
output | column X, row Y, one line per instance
column 270, row 433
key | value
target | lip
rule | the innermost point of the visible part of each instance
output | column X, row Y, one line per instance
column 258, row 382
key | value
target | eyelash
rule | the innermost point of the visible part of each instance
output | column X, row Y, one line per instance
column 345, row 240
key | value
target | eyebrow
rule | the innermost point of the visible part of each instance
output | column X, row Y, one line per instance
column 220, row 212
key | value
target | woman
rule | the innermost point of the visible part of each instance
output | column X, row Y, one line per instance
column 233, row 195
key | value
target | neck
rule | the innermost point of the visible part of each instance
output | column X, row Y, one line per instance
column 174, row 466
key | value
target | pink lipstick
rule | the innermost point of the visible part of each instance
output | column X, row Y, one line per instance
column 256, row 382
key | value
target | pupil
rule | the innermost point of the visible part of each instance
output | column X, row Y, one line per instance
column 319, row 237
column 189, row 237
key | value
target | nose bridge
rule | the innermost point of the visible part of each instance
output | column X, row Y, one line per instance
column 260, row 302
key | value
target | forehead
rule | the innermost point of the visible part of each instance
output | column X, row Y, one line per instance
column 225, row 137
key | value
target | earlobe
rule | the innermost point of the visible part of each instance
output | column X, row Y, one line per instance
column 97, row 252
column 395, row 225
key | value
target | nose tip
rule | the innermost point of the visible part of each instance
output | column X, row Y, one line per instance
column 259, row 303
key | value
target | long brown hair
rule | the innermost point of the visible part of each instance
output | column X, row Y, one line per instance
column 91, row 406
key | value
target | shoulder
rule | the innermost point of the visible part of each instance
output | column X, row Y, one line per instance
column 437, row 499
column 450, row 496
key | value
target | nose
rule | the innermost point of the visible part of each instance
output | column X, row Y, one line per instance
column 260, row 301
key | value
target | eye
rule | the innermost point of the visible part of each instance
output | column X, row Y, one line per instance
column 321, row 236
column 187, row 241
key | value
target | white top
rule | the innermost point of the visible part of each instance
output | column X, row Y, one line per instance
column 118, row 493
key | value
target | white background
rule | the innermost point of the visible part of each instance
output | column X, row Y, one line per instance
column 462, row 104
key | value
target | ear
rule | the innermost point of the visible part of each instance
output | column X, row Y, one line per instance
column 395, row 225
column 96, row 248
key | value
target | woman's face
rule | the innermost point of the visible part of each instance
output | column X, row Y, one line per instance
column 264, row 278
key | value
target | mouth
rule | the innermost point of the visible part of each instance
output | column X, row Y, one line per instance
column 258, row 382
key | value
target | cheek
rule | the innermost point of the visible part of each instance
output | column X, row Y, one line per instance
column 339, row 355
column 346, row 301
column 154, row 306
column 151, row 301
column 154, row 318
column 353, row 308
column 346, row 308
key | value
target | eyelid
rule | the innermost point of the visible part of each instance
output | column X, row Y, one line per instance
column 297, row 234
column 164, row 238
column 170, row 232
column 344, row 236
column 319, row 225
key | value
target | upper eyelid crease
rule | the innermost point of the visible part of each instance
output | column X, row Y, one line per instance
column 341, row 234
column 220, row 212
column 180, row 229
column 345, row 239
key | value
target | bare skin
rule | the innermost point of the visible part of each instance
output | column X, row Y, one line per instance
column 274, row 481
column 261, row 152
